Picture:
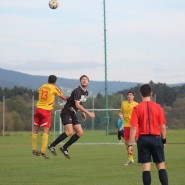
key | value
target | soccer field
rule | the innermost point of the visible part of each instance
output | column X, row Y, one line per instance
column 95, row 160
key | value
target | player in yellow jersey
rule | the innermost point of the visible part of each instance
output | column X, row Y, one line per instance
column 43, row 112
column 126, row 110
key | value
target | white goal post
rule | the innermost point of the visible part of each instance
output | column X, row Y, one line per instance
column 58, row 126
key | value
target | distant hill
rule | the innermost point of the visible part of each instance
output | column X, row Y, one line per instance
column 9, row 79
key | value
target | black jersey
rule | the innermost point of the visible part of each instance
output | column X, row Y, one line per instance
column 78, row 94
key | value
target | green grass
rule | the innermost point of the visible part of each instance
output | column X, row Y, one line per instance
column 89, row 164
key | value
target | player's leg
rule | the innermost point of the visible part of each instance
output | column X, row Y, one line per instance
column 163, row 176
column 34, row 140
column 35, row 133
column 79, row 133
column 126, row 138
column 146, row 175
column 123, row 134
column 45, row 137
column 61, row 137
column 119, row 136
column 158, row 158
column 68, row 132
column 68, row 126
column 46, row 124
column 130, row 155
column 78, row 129
column 144, row 157
column 67, row 122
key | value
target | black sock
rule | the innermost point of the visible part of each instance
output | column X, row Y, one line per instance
column 163, row 177
column 72, row 140
column 60, row 138
column 146, row 178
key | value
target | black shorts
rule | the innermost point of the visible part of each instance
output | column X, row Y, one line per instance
column 69, row 117
column 150, row 147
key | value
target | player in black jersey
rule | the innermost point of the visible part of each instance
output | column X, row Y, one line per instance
column 69, row 118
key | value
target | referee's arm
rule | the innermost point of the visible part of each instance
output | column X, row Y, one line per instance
column 163, row 131
column 132, row 135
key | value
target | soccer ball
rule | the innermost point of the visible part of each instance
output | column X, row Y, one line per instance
column 53, row 4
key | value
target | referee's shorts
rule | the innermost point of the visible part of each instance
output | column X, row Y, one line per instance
column 150, row 148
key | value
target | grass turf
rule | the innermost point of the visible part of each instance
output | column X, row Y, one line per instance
column 90, row 164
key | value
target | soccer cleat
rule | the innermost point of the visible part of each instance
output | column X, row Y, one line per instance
column 65, row 152
column 36, row 152
column 52, row 150
column 44, row 155
column 129, row 162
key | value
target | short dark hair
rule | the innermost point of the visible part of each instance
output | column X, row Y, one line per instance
column 130, row 91
column 52, row 79
column 145, row 90
column 84, row 76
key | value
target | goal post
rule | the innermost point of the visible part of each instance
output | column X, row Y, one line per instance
column 59, row 128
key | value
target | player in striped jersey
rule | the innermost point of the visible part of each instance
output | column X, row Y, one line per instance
column 43, row 112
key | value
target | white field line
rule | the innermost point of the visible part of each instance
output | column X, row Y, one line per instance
column 99, row 143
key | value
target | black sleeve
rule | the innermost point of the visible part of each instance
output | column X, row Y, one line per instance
column 77, row 94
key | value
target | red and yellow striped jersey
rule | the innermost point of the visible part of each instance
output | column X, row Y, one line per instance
column 47, row 94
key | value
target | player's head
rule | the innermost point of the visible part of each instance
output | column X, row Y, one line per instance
column 52, row 79
column 130, row 95
column 84, row 76
column 120, row 116
column 145, row 90
column 84, row 80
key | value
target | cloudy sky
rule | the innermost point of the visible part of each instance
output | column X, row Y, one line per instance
column 145, row 39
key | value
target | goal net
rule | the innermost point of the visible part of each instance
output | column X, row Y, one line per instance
column 105, row 119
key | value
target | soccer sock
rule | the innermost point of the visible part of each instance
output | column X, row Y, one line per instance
column 72, row 140
column 146, row 178
column 130, row 157
column 34, row 141
column 60, row 138
column 163, row 177
column 44, row 142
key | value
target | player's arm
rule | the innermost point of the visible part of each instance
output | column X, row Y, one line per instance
column 121, row 111
column 82, row 109
column 60, row 94
column 64, row 97
column 132, row 135
column 133, row 128
column 163, row 133
column 131, row 139
column 162, row 120
column 83, row 115
column 121, row 128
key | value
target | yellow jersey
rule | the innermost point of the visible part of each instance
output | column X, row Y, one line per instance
column 47, row 94
column 126, row 110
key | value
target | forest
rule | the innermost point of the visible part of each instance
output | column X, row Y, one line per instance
column 17, row 108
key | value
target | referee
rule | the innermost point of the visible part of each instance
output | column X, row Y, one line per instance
column 149, row 117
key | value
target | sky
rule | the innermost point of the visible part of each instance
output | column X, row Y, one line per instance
column 145, row 39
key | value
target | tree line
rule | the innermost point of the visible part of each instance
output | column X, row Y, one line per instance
column 19, row 103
